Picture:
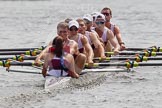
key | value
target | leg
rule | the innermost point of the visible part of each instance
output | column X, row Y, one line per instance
column 79, row 62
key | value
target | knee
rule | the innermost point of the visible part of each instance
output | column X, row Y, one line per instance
column 81, row 57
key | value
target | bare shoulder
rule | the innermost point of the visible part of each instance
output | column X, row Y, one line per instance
column 73, row 42
column 93, row 36
column 84, row 39
column 69, row 56
column 116, row 28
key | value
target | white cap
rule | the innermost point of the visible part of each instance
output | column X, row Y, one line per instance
column 88, row 17
column 100, row 15
column 95, row 13
column 73, row 23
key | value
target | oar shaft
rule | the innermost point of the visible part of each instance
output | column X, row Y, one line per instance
column 134, row 53
column 155, row 49
column 14, row 58
column 143, row 58
column 125, row 64
column 32, row 53
column 23, row 49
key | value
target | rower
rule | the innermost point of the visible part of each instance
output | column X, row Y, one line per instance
column 92, row 39
column 89, row 22
column 59, row 64
column 70, row 46
column 114, row 28
column 83, row 45
column 105, row 34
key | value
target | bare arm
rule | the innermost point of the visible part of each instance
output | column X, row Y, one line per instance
column 114, row 43
column 88, row 49
column 71, row 66
column 119, row 38
column 45, row 65
column 97, row 44
column 41, row 55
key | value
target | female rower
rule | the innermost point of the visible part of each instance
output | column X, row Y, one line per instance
column 59, row 64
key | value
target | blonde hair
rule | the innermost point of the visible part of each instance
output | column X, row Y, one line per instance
column 62, row 25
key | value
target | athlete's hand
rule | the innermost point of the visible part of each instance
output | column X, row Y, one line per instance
column 38, row 62
column 90, row 63
column 122, row 47
column 116, row 51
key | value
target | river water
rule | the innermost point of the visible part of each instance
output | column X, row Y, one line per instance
column 32, row 23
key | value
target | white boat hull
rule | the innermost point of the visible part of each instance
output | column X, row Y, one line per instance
column 52, row 82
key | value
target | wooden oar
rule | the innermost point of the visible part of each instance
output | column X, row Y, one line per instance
column 23, row 49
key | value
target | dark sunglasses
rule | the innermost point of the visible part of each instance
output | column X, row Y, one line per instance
column 99, row 22
column 73, row 29
column 106, row 14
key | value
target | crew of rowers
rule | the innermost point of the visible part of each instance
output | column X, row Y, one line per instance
column 78, row 42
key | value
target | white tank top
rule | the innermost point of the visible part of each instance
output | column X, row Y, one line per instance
column 104, row 35
column 57, row 72
column 87, row 34
column 112, row 28
column 80, row 45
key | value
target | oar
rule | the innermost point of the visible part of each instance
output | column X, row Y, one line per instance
column 13, row 63
column 155, row 49
column 31, row 53
column 83, row 71
column 19, row 58
column 23, row 49
column 137, row 58
column 128, row 65
column 147, row 53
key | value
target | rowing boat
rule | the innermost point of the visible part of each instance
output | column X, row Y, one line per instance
column 52, row 82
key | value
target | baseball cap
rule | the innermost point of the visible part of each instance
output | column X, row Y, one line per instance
column 99, row 15
column 73, row 23
column 88, row 17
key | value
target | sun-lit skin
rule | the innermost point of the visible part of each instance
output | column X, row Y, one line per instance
column 70, row 46
column 73, row 34
column 99, row 50
column 108, row 15
column 110, row 36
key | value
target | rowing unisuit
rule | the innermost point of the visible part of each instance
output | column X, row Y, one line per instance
column 57, row 67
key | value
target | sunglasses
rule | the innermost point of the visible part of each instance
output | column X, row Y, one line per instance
column 98, row 23
column 73, row 29
column 106, row 14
